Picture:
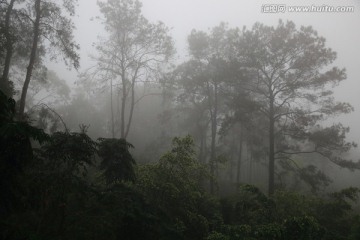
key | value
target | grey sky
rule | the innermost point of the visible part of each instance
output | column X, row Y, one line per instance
column 341, row 31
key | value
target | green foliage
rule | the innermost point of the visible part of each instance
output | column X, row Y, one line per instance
column 116, row 160
column 181, row 162
column 314, row 178
column 176, row 181
column 289, row 204
column 237, row 231
column 355, row 228
column 177, row 171
column 251, row 206
column 167, row 200
column 217, row 236
column 15, row 150
column 63, row 163
column 269, row 231
column 350, row 193
column 303, row 228
column 44, row 190
column 329, row 217
column 251, row 215
column 119, row 212
column 11, row 128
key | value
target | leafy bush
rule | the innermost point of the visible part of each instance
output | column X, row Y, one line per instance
column 117, row 162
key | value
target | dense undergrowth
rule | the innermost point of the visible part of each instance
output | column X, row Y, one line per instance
column 67, row 186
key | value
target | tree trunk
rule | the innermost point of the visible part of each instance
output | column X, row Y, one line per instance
column 212, row 154
column 202, row 154
column 271, row 147
column 233, row 159
column 112, row 110
column 131, row 109
column 213, row 140
column 123, row 105
column 9, row 48
column 250, row 159
column 32, row 58
column 238, row 172
column 201, row 151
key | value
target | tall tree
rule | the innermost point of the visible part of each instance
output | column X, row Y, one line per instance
column 8, row 45
column 133, row 52
column 14, row 39
column 51, row 23
column 202, row 82
column 291, row 82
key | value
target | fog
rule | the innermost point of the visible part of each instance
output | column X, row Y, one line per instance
column 340, row 30
column 181, row 17
column 213, row 120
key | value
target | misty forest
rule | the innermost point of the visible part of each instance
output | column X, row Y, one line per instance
column 237, row 139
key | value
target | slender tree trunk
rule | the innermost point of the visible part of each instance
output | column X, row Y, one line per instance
column 212, row 154
column 201, row 152
column 123, row 105
column 32, row 58
column 133, row 81
column 118, row 112
column 233, row 158
column 271, row 147
column 9, row 48
column 239, row 160
column 250, row 150
column 112, row 110
column 231, row 172
column 131, row 109
column 213, row 140
column 202, row 144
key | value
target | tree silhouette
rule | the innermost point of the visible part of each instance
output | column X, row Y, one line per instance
column 291, row 81
column 116, row 160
